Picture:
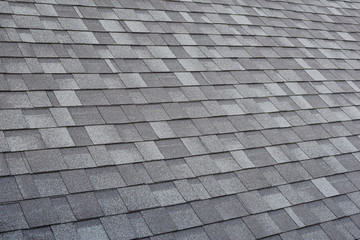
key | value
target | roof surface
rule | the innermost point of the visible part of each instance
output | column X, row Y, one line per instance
column 211, row 119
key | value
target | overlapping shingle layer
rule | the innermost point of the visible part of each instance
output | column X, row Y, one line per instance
column 209, row 119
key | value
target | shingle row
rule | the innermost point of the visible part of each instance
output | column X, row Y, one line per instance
column 225, row 114
column 226, row 210
column 192, row 180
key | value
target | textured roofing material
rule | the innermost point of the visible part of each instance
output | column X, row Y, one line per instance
column 204, row 119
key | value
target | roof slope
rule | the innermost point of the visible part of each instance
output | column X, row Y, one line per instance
column 209, row 119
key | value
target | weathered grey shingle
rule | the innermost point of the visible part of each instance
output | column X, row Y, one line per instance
column 110, row 202
column 12, row 217
column 76, row 181
column 158, row 220
column 103, row 134
column 138, row 197
column 24, row 140
column 91, row 229
column 49, row 184
column 84, row 205
column 12, row 119
column 77, row 157
column 104, row 178
column 118, row 227
column 39, row 212
column 56, row 137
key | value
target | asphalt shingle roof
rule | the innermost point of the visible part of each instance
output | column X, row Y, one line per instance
column 156, row 119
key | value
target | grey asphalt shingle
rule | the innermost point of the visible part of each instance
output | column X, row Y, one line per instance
column 56, row 137
column 103, row 134
column 77, row 158
column 12, row 119
column 183, row 216
column 166, row 194
column 261, row 225
column 205, row 211
column 64, row 231
column 118, row 227
column 104, row 178
column 63, row 209
column 179, row 120
column 84, row 205
column 110, row 202
column 39, row 212
column 138, row 197
column 85, row 116
column 45, row 160
column 91, row 229
column 49, row 184
column 24, row 140
column 158, row 220
column 76, row 181
column 9, row 191
column 12, row 217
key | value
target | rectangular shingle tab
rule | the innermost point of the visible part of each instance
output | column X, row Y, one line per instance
column 84, row 205
column 39, row 212
column 12, row 217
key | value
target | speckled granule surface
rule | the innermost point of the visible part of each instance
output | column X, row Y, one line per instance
column 159, row 120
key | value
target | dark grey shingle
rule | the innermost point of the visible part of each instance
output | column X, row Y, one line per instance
column 49, row 184
column 139, row 225
column 86, row 115
column 76, row 181
column 110, row 202
column 79, row 136
column 113, row 114
column 118, row 227
column 261, row 225
column 45, row 160
column 128, row 132
column 12, row 217
column 63, row 209
column 77, row 157
column 229, row 207
column 253, row 202
column 9, row 190
column 205, row 211
column 129, row 174
column 64, row 232
column 253, row 179
column 283, row 220
column 92, row 97
column 14, row 100
column 39, row 233
column 183, row 216
column 39, row 212
column 158, row 220
column 84, row 205
column 100, row 155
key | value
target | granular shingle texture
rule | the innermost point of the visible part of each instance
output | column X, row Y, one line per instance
column 159, row 119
